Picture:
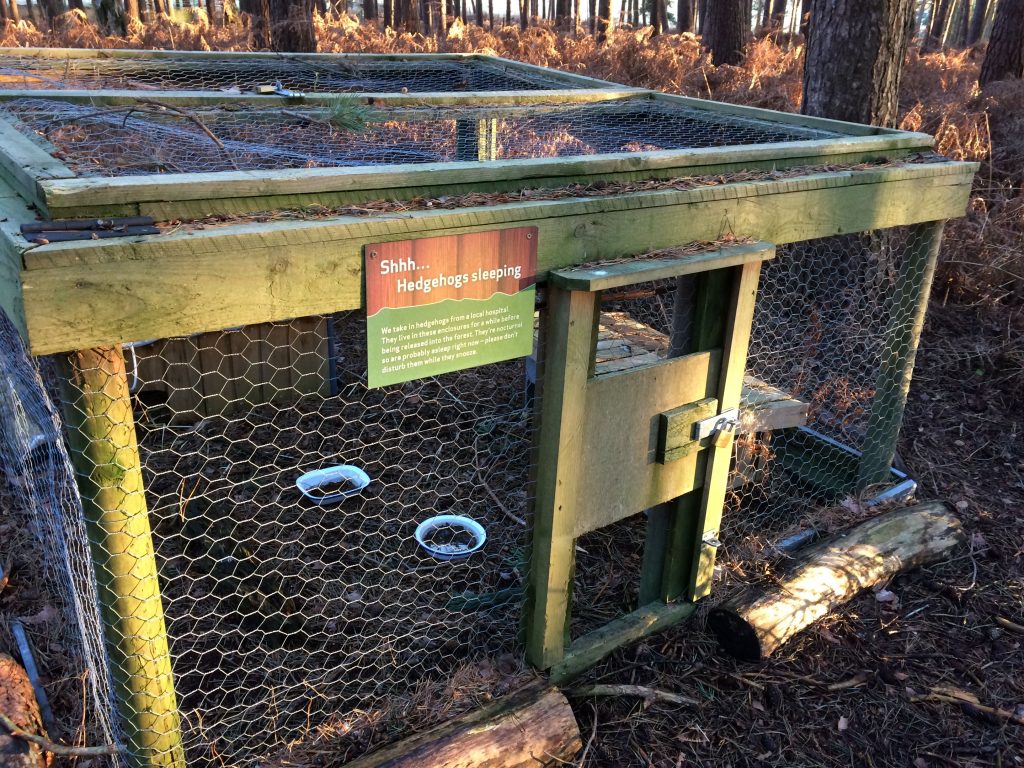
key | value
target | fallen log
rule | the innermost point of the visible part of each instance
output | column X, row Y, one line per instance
column 531, row 728
column 757, row 621
column 18, row 703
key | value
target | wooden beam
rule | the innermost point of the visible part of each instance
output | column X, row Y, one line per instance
column 165, row 195
column 606, row 276
column 734, row 359
column 12, row 245
column 101, row 292
column 568, row 344
column 24, row 164
column 101, row 435
column 591, row 648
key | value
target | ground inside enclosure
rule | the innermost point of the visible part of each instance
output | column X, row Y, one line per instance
column 869, row 685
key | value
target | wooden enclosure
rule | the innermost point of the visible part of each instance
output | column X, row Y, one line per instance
column 252, row 246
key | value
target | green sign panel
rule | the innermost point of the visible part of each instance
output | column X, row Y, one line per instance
column 441, row 304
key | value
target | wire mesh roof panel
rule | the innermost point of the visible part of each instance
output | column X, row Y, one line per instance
column 151, row 138
column 338, row 75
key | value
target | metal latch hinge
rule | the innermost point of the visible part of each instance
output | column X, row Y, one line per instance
column 724, row 422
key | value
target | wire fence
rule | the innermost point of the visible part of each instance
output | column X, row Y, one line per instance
column 243, row 74
column 150, row 137
column 293, row 611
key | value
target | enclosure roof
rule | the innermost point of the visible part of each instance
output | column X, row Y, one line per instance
column 97, row 133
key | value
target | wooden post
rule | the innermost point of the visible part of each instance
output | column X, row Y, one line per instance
column 899, row 351
column 736, row 339
column 101, row 434
column 566, row 366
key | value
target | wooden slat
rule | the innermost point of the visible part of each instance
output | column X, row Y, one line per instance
column 591, row 648
column 12, row 245
column 620, row 430
column 89, row 293
column 23, row 163
column 235, row 191
column 603, row 277
column 736, row 341
column 567, row 352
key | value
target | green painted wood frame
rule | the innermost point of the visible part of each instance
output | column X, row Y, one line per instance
column 592, row 423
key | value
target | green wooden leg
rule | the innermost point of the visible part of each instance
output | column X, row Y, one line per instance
column 101, row 434
column 567, row 354
column 899, row 353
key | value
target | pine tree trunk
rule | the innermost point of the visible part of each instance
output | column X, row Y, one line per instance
column 805, row 16
column 658, row 16
column 1005, row 56
column 291, row 26
column 977, row 22
column 778, row 13
column 724, row 31
column 604, row 21
column 369, row 10
column 854, row 59
column 12, row 11
column 938, row 24
column 684, row 14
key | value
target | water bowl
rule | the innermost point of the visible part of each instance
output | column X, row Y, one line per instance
column 332, row 484
column 450, row 537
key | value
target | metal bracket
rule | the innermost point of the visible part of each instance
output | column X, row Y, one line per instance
column 725, row 421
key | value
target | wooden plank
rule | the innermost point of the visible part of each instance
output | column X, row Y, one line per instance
column 620, row 430
column 763, row 408
column 307, row 350
column 790, row 118
column 158, row 286
column 603, row 277
column 12, row 212
column 736, row 341
column 104, row 450
column 675, row 429
column 591, row 648
column 567, row 349
column 220, row 192
column 157, row 54
column 202, row 98
column 23, row 163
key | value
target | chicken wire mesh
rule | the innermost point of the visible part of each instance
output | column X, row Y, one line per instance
column 150, row 137
column 284, row 607
column 285, row 614
column 38, row 471
column 241, row 74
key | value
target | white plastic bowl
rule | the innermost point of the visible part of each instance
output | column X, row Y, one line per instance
column 448, row 552
column 318, row 478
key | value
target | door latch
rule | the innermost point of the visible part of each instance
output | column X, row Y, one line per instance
column 720, row 428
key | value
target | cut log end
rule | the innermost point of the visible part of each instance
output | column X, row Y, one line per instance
column 756, row 622
column 528, row 729
column 18, row 703
column 735, row 636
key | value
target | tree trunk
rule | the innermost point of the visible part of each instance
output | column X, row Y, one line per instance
column 12, row 11
column 369, row 10
column 508, row 13
column 805, row 16
column 605, row 24
column 291, row 26
column 1005, row 55
column 778, row 14
column 854, row 59
column 977, row 22
column 527, row 729
column 684, row 13
column 659, row 16
column 18, row 702
column 937, row 27
column 724, row 31
column 211, row 11
column 755, row 623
